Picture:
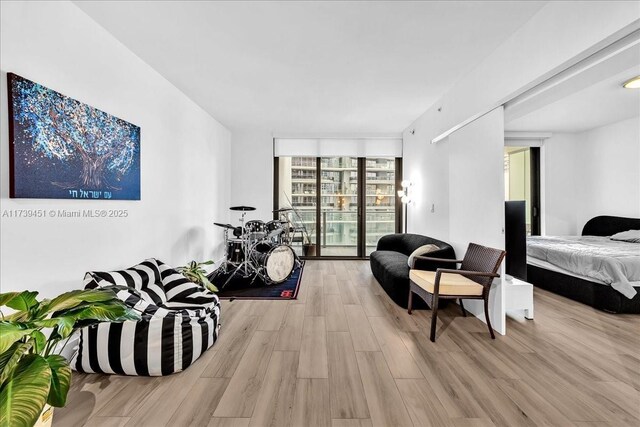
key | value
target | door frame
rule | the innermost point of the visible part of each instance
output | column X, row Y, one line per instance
column 536, row 209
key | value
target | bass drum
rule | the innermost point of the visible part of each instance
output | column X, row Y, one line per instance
column 275, row 261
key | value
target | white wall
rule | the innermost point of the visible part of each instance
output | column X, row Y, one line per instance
column 185, row 157
column 476, row 180
column 558, row 186
column 592, row 173
column 476, row 197
column 609, row 171
column 554, row 36
column 251, row 173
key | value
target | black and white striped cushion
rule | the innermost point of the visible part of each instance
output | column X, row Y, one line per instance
column 144, row 277
column 169, row 338
column 179, row 288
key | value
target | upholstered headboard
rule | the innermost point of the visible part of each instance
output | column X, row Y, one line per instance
column 609, row 225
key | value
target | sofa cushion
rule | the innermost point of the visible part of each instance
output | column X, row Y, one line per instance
column 394, row 263
column 422, row 250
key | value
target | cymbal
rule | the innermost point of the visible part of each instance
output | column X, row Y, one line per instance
column 242, row 208
column 224, row 225
column 282, row 210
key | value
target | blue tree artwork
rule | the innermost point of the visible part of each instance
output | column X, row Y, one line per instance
column 61, row 148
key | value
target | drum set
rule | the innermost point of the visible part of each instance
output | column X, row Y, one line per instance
column 258, row 249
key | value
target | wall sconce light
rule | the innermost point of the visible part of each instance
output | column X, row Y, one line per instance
column 405, row 199
column 404, row 193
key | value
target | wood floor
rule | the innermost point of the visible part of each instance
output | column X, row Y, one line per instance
column 344, row 355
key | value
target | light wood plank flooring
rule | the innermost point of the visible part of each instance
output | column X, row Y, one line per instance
column 343, row 354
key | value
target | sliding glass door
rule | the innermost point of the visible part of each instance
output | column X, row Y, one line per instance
column 350, row 201
column 381, row 200
column 296, row 185
column 339, row 206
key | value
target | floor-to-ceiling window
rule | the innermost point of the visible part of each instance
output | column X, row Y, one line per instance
column 381, row 200
column 296, row 184
column 339, row 206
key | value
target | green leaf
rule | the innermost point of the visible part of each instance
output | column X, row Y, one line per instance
column 209, row 285
column 10, row 333
column 18, row 316
column 40, row 341
column 60, row 380
column 21, row 301
column 74, row 298
column 113, row 312
column 10, row 358
column 64, row 325
column 207, row 262
column 6, row 297
column 25, row 393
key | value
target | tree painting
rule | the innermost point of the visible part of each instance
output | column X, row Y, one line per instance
column 62, row 148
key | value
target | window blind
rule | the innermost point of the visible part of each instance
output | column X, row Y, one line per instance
column 338, row 147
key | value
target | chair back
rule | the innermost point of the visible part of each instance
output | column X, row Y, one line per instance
column 484, row 259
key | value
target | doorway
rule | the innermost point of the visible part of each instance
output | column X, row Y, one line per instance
column 522, row 182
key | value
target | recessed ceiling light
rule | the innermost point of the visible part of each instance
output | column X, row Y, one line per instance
column 634, row 83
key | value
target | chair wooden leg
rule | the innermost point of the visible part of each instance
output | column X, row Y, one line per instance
column 434, row 317
column 464, row 312
column 486, row 315
column 410, row 305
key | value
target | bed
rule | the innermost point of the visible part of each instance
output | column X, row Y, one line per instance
column 591, row 268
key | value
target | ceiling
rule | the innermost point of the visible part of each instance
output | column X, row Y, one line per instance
column 332, row 67
column 591, row 99
column 596, row 105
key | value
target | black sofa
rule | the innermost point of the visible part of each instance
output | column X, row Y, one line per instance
column 389, row 263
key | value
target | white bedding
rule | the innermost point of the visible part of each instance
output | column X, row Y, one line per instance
column 611, row 262
column 548, row 266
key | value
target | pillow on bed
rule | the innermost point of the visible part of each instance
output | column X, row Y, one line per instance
column 424, row 249
column 631, row 236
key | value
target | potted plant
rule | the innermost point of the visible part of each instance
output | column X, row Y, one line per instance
column 308, row 247
column 197, row 274
column 33, row 375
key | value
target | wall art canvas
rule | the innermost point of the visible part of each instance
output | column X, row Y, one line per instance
column 61, row 148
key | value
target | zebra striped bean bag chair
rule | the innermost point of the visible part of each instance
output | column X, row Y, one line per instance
column 180, row 321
